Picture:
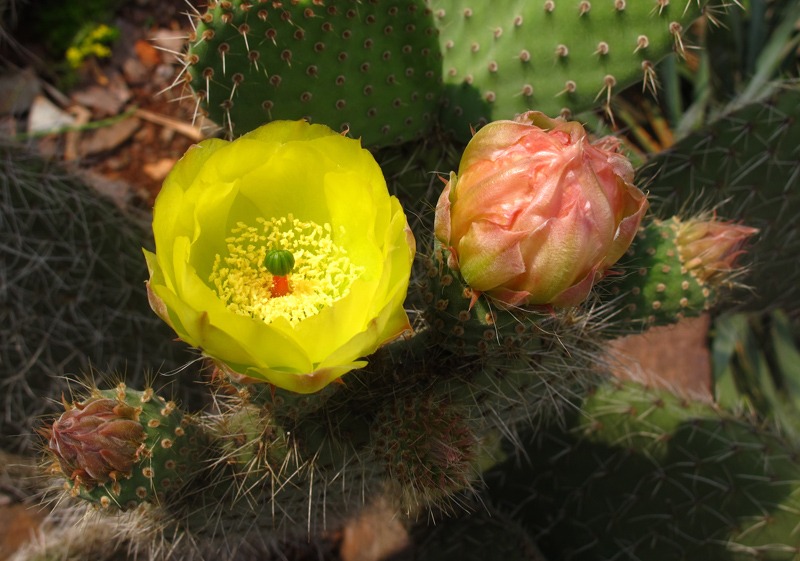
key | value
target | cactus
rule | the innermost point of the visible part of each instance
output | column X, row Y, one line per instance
column 370, row 68
column 249, row 63
column 677, row 268
column 427, row 447
column 418, row 425
column 483, row 532
column 659, row 477
column 427, row 421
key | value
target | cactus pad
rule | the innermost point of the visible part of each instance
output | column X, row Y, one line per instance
column 657, row 288
column 123, row 448
column 371, row 68
column 658, row 477
column 504, row 58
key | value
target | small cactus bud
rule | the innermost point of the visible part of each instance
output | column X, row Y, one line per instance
column 121, row 448
column 97, row 441
column 708, row 249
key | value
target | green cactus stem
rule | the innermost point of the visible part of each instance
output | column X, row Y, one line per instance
column 504, row 58
column 744, row 166
column 674, row 269
column 477, row 533
column 428, row 448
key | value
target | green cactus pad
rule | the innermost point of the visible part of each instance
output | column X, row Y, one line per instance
column 502, row 58
column 744, row 166
column 250, row 442
column 478, row 533
column 371, row 68
column 526, row 365
column 658, row 477
column 285, row 405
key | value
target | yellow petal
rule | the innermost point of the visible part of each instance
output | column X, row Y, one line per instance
column 289, row 131
column 169, row 217
column 351, row 205
column 266, row 344
column 304, row 383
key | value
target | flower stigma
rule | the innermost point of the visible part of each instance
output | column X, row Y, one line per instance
column 279, row 263
column 248, row 280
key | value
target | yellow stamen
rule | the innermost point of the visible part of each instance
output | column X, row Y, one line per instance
column 322, row 274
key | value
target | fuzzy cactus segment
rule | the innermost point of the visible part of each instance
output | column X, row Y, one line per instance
column 285, row 186
column 678, row 268
column 122, row 448
column 537, row 213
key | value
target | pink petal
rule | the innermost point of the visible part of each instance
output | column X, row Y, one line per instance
column 576, row 294
column 441, row 224
column 490, row 255
column 624, row 236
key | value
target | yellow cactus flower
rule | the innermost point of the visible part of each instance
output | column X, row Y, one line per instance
column 281, row 255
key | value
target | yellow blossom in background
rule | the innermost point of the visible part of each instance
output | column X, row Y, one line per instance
column 301, row 189
column 91, row 41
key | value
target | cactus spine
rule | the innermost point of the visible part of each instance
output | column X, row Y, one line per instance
column 71, row 295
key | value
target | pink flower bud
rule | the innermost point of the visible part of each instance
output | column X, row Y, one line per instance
column 97, row 441
column 708, row 249
column 538, row 213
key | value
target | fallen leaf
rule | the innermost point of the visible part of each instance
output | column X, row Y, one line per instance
column 108, row 138
column 147, row 53
column 160, row 169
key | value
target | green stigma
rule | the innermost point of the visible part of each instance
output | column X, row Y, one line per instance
column 279, row 262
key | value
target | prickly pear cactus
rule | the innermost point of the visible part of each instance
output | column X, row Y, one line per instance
column 659, row 477
column 459, row 375
column 428, row 447
column 371, row 68
column 482, row 532
column 504, row 58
